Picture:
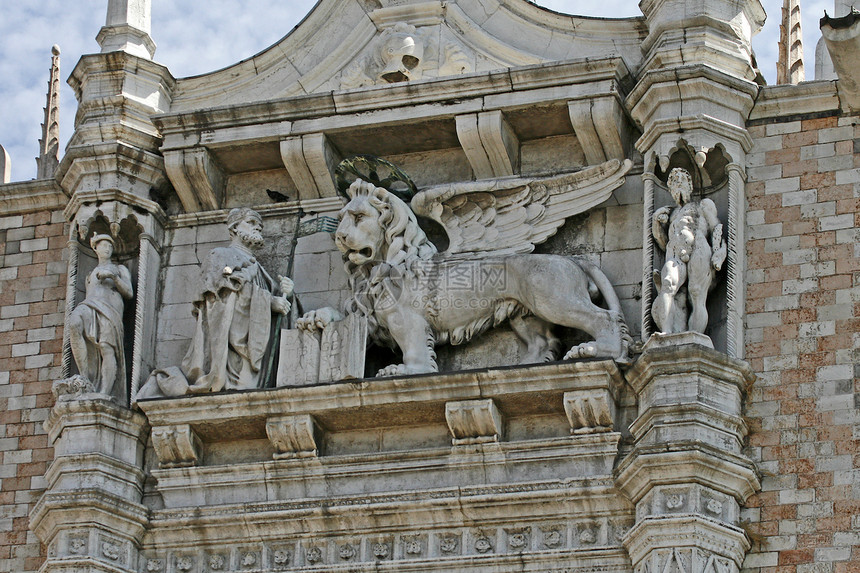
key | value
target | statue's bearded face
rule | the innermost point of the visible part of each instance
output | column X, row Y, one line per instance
column 250, row 232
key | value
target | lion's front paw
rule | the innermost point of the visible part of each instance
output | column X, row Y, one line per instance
column 584, row 350
column 393, row 370
column 317, row 320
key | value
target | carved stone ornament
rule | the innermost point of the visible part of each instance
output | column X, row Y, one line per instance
column 313, row 555
column 589, row 411
column 346, row 551
column 72, row 387
column 234, row 310
column 413, row 547
column 217, row 562
column 415, row 299
column 95, row 325
column 449, row 544
column 473, row 421
column 293, row 436
column 176, row 446
column 281, row 558
column 403, row 53
column 381, row 550
column 249, row 559
column 111, row 550
column 552, row 538
column 483, row 544
column 184, row 563
column 691, row 237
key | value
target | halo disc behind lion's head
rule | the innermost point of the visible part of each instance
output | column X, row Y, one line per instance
column 377, row 171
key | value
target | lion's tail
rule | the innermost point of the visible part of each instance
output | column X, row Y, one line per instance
column 610, row 297
column 601, row 281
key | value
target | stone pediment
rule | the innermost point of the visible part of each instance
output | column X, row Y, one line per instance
column 347, row 44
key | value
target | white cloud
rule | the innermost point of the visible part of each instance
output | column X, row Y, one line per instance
column 196, row 37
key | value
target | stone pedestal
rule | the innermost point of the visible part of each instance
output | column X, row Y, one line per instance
column 686, row 473
column 90, row 516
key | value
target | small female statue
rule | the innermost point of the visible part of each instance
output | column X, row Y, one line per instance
column 95, row 326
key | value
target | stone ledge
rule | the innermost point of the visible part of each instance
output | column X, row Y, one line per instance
column 31, row 196
column 795, row 101
column 694, row 462
column 689, row 359
column 384, row 402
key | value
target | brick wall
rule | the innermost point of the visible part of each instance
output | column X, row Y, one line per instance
column 803, row 341
column 32, row 295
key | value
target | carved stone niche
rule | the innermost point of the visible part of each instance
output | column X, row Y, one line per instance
column 711, row 175
column 123, row 231
column 474, row 421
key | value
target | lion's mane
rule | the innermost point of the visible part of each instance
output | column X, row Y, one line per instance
column 405, row 247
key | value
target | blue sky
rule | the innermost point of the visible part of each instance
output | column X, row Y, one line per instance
column 195, row 37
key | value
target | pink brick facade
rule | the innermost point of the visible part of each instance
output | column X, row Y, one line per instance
column 803, row 342
column 32, row 307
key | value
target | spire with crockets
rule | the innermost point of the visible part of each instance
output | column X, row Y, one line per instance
column 49, row 143
column 789, row 67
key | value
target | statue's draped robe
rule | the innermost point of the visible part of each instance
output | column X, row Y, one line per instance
column 101, row 314
column 232, row 333
column 234, row 317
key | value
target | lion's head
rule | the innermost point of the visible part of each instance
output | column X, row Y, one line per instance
column 377, row 233
column 376, row 226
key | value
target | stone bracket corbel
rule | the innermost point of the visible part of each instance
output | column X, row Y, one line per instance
column 599, row 124
column 294, row 436
column 474, row 421
column 490, row 144
column 310, row 160
column 177, row 446
column 197, row 177
column 589, row 411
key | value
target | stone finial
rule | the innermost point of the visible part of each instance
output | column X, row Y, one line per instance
column 842, row 39
column 127, row 28
column 5, row 166
column 49, row 143
column 789, row 67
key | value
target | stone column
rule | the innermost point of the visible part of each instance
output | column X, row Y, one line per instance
column 686, row 473
column 90, row 517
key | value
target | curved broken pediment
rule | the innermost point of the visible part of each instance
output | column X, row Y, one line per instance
column 348, row 44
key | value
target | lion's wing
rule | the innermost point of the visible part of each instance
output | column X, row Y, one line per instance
column 513, row 214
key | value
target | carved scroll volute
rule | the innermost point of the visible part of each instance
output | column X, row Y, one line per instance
column 474, row 421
